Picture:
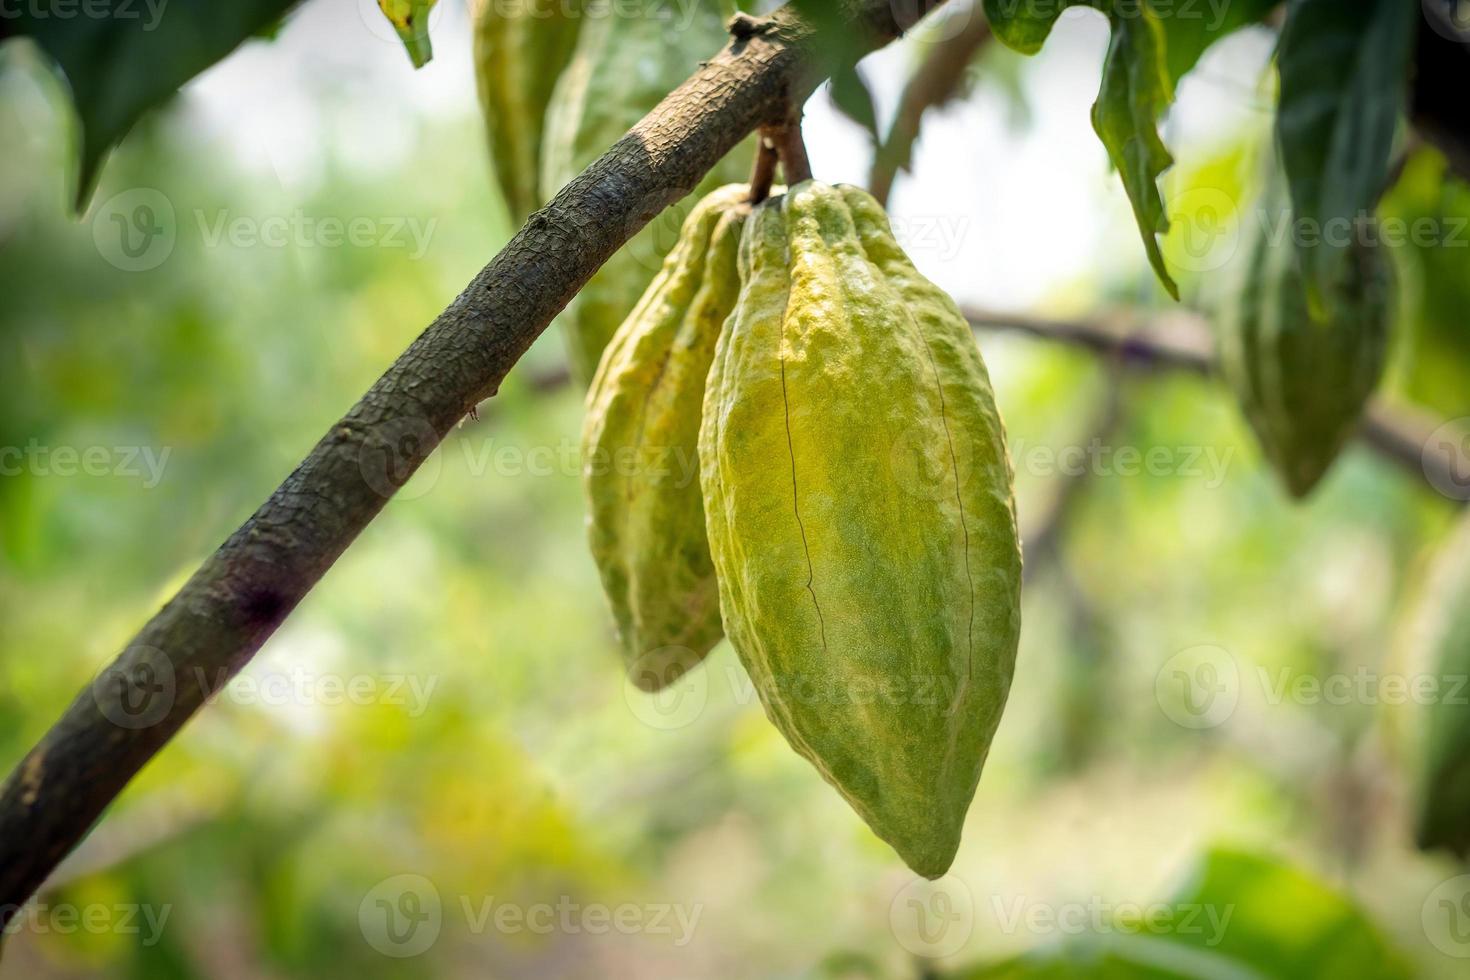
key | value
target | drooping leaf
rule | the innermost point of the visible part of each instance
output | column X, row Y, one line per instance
column 1136, row 90
column 134, row 57
column 851, row 96
column 1190, row 32
column 1343, row 69
column 410, row 20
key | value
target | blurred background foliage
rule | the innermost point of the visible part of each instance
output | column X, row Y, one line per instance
column 493, row 747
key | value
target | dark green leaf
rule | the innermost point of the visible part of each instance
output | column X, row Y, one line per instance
column 1192, row 27
column 1136, row 90
column 1135, row 93
column 1343, row 70
column 850, row 94
column 129, row 57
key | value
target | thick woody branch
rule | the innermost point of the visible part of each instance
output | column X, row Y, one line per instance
column 223, row 614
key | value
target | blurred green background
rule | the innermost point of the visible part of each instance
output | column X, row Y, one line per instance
column 448, row 705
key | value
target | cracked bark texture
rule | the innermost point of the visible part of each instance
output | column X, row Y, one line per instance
column 192, row 647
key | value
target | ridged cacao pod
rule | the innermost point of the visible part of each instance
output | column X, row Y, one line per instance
column 860, row 513
column 640, row 447
column 521, row 48
column 624, row 65
column 1433, row 733
column 1303, row 377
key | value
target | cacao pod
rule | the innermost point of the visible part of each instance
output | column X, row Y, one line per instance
column 1304, row 376
column 521, row 48
column 640, row 446
column 860, row 513
column 1435, row 728
column 624, row 65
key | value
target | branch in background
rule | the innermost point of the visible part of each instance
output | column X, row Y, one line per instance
column 1182, row 341
column 1041, row 542
column 938, row 79
column 193, row 646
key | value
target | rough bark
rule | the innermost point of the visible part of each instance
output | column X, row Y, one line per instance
column 222, row 615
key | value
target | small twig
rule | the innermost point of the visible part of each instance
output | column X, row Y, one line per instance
column 795, row 165
column 1399, row 435
column 767, row 155
column 937, row 80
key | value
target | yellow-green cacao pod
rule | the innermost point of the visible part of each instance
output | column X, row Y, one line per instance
column 625, row 63
column 640, row 450
column 1433, row 723
column 1304, row 376
column 521, row 48
column 859, row 500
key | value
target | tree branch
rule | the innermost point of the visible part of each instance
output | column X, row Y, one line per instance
column 937, row 80
column 1181, row 341
column 222, row 615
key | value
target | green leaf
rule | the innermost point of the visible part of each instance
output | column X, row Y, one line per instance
column 1191, row 29
column 1238, row 916
column 410, row 20
column 133, row 57
column 851, row 96
column 1343, row 69
column 1026, row 24
column 1283, row 921
column 1136, row 90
